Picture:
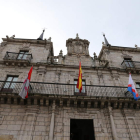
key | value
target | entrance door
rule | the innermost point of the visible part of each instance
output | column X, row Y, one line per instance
column 81, row 129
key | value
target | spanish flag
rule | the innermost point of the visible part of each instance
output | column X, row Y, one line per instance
column 79, row 83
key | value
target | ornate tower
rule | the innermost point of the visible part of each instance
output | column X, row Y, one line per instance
column 77, row 46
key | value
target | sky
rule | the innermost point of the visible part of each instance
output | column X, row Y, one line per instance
column 118, row 19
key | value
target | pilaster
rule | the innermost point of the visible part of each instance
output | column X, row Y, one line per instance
column 52, row 122
column 112, row 124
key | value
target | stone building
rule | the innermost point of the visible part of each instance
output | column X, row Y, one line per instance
column 55, row 110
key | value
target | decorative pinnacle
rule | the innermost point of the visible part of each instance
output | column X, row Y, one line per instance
column 136, row 46
column 95, row 56
column 61, row 53
column 41, row 36
column 106, row 42
column 77, row 36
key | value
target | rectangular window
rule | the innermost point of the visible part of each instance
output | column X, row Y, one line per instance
column 9, row 84
column 138, row 86
column 76, row 90
column 23, row 55
column 128, row 62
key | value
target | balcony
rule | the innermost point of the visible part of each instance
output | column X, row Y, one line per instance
column 93, row 96
column 20, row 59
column 131, row 65
column 58, row 89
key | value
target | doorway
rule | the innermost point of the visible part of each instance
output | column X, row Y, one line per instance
column 81, row 129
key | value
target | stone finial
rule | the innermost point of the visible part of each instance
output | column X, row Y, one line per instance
column 136, row 46
column 103, row 43
column 61, row 53
column 12, row 37
column 95, row 56
column 7, row 37
column 77, row 36
column 49, row 39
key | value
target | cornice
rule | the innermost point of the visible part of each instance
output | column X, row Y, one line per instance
column 137, row 71
column 32, row 41
column 98, row 102
column 117, row 48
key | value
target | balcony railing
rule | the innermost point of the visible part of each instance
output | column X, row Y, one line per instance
column 131, row 64
column 38, row 88
column 16, row 56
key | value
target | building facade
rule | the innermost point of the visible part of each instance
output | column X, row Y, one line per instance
column 55, row 110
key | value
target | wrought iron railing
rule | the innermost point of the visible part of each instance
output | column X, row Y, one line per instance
column 65, row 89
column 131, row 64
column 16, row 56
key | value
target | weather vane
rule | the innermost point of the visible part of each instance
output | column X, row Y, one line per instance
column 44, row 28
column 103, row 33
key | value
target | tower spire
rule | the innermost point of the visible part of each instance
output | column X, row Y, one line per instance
column 106, row 42
column 41, row 36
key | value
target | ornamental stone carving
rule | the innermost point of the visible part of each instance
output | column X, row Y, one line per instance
column 77, row 46
column 12, row 37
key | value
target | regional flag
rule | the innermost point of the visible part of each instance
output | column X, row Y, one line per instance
column 25, row 87
column 131, row 88
column 79, row 82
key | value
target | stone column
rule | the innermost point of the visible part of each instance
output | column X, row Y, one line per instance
column 52, row 122
column 112, row 124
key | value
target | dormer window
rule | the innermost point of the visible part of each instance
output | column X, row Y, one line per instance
column 128, row 62
column 23, row 55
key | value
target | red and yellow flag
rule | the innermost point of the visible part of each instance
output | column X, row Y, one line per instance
column 79, row 83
